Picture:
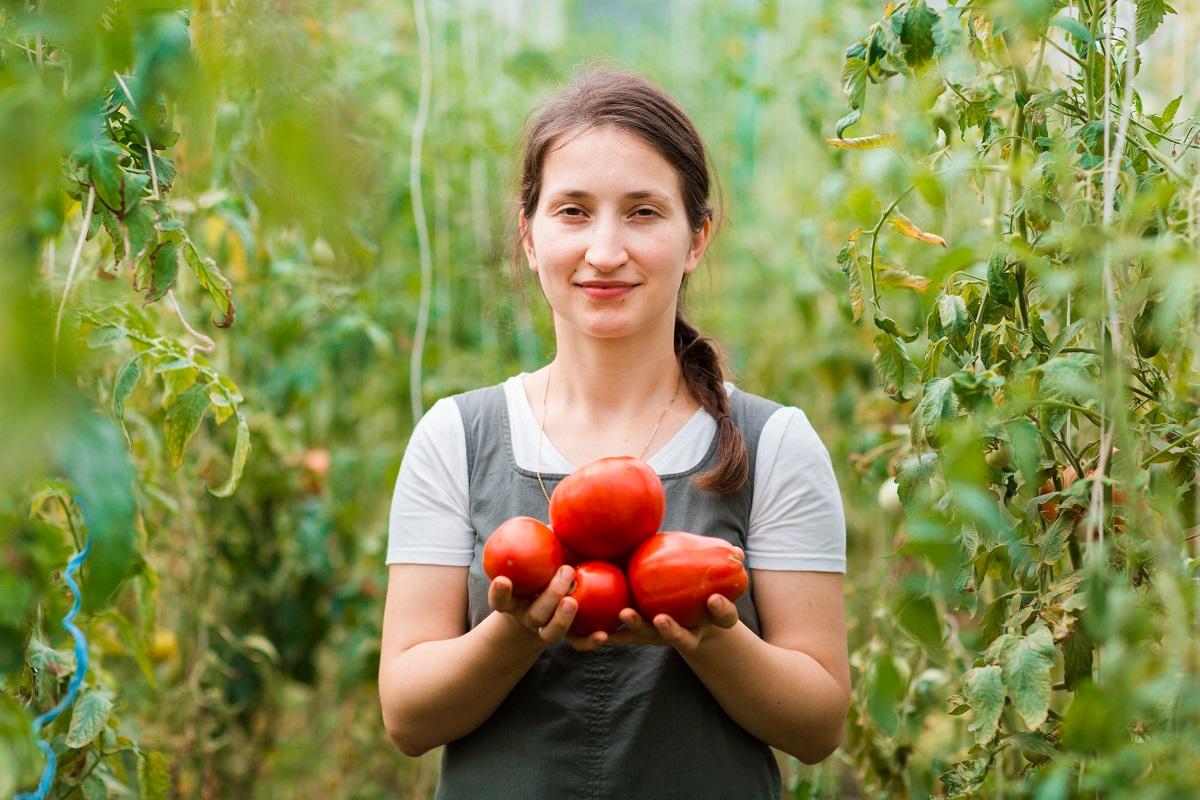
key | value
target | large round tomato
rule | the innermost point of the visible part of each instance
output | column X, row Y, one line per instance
column 604, row 509
column 601, row 591
column 675, row 573
column 526, row 552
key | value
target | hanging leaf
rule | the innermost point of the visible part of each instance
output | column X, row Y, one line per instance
column 1002, row 284
column 983, row 689
column 905, row 226
column 89, row 717
column 953, row 318
column 897, row 372
column 240, row 451
column 933, row 360
column 213, row 282
column 890, row 274
column 938, row 404
column 183, row 420
column 154, row 776
column 127, row 378
column 164, row 267
column 917, row 33
column 1027, row 661
column 863, row 142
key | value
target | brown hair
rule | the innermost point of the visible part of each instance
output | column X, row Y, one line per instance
column 633, row 104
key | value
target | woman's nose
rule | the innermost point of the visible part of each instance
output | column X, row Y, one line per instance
column 606, row 250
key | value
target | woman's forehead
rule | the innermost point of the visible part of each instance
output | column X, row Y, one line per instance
column 608, row 161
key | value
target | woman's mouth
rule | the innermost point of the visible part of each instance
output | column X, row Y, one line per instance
column 605, row 290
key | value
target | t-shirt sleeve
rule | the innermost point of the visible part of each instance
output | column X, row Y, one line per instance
column 430, row 518
column 796, row 520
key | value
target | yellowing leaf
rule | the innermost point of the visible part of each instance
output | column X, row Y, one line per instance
column 893, row 275
column 862, row 142
column 904, row 225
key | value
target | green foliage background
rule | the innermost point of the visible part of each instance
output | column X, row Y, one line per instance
column 969, row 295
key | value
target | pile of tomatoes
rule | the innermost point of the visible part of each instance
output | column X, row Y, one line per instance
column 604, row 520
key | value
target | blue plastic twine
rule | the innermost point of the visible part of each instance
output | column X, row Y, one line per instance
column 81, row 665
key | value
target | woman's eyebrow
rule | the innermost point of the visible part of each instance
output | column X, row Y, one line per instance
column 582, row 194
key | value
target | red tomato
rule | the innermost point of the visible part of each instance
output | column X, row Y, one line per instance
column 601, row 591
column 526, row 552
column 606, row 508
column 675, row 573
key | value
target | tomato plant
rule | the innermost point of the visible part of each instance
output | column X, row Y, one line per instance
column 526, row 552
column 675, row 573
column 605, row 508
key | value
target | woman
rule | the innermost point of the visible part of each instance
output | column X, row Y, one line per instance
column 614, row 216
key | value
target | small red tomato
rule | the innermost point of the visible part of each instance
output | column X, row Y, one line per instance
column 526, row 552
column 606, row 508
column 601, row 591
column 1049, row 509
column 675, row 573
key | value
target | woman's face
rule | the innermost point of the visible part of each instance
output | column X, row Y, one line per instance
column 610, row 240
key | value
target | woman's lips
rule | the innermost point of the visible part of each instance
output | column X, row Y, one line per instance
column 606, row 292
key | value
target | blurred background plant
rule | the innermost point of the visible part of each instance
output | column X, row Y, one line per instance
column 246, row 244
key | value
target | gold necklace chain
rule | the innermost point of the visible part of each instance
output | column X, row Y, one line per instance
column 542, row 427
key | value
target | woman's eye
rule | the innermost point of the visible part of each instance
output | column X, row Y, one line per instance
column 571, row 211
column 646, row 213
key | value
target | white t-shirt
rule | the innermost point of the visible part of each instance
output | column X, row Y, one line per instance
column 796, row 517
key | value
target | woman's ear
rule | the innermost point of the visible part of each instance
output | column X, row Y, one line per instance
column 527, row 241
column 698, row 245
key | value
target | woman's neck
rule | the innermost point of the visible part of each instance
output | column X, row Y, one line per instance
column 600, row 380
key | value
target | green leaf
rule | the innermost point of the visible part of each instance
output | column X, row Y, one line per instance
column 1073, row 27
column 1067, row 335
column 913, row 477
column 183, row 420
column 104, row 336
column 1150, row 15
column 1168, row 115
column 1069, row 377
column 20, row 760
column 952, row 314
column 164, row 267
column 102, row 157
column 937, row 405
column 885, row 692
column 1002, row 284
column 89, row 717
column 917, row 33
column 154, row 776
column 240, row 451
column 93, row 788
column 854, row 82
column 846, row 121
column 933, row 360
column 1027, row 663
column 918, row 616
column 897, row 372
column 94, row 457
column 127, row 378
column 983, row 688
column 213, row 282
column 1077, row 659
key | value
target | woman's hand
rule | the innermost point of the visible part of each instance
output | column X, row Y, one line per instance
column 663, row 630
column 547, row 616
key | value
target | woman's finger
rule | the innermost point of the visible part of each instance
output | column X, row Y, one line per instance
column 546, row 604
column 556, row 629
column 500, row 594
column 675, row 634
column 724, row 612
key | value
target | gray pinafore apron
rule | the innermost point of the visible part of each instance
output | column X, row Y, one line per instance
column 624, row 722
